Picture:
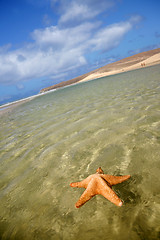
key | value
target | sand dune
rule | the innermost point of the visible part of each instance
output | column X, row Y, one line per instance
column 147, row 62
column 136, row 61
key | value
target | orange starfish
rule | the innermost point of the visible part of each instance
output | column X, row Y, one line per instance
column 99, row 183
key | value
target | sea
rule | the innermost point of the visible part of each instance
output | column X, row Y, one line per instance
column 63, row 137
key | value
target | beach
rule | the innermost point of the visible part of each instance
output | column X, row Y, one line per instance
column 150, row 61
column 137, row 61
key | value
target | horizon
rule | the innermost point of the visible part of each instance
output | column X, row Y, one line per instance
column 46, row 42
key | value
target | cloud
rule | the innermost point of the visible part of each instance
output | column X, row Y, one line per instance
column 77, row 12
column 67, row 38
column 58, row 50
column 109, row 37
column 38, row 63
column 21, row 58
column 82, row 10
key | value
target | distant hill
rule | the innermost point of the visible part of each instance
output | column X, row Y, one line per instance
column 121, row 65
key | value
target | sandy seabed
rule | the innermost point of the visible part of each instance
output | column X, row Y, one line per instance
column 62, row 137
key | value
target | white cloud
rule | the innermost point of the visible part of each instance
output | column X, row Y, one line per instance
column 38, row 63
column 57, row 50
column 66, row 38
column 77, row 12
column 110, row 36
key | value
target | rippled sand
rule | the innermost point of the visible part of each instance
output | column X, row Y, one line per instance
column 113, row 122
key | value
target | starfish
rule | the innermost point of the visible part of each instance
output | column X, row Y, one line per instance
column 99, row 183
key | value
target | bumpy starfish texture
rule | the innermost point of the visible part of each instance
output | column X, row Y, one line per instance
column 99, row 183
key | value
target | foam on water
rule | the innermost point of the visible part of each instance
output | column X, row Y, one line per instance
column 64, row 136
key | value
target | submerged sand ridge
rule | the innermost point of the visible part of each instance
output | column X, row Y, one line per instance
column 136, row 61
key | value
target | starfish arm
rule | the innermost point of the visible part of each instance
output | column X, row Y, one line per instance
column 82, row 184
column 113, row 180
column 87, row 195
column 108, row 193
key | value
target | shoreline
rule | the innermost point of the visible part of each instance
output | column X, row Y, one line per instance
column 148, row 62
column 8, row 107
column 135, row 62
column 140, row 60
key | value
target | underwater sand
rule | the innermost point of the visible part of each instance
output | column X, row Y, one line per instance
column 64, row 136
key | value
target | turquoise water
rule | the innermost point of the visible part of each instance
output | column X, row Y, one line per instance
column 64, row 136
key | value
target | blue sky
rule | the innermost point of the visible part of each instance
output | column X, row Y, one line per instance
column 44, row 42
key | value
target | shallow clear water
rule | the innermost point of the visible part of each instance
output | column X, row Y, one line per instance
column 64, row 136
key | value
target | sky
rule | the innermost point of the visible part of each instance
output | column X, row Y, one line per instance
column 44, row 42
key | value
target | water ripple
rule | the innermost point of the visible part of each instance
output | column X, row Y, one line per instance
column 64, row 136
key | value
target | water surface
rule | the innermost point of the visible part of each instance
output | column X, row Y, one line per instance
column 64, row 136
